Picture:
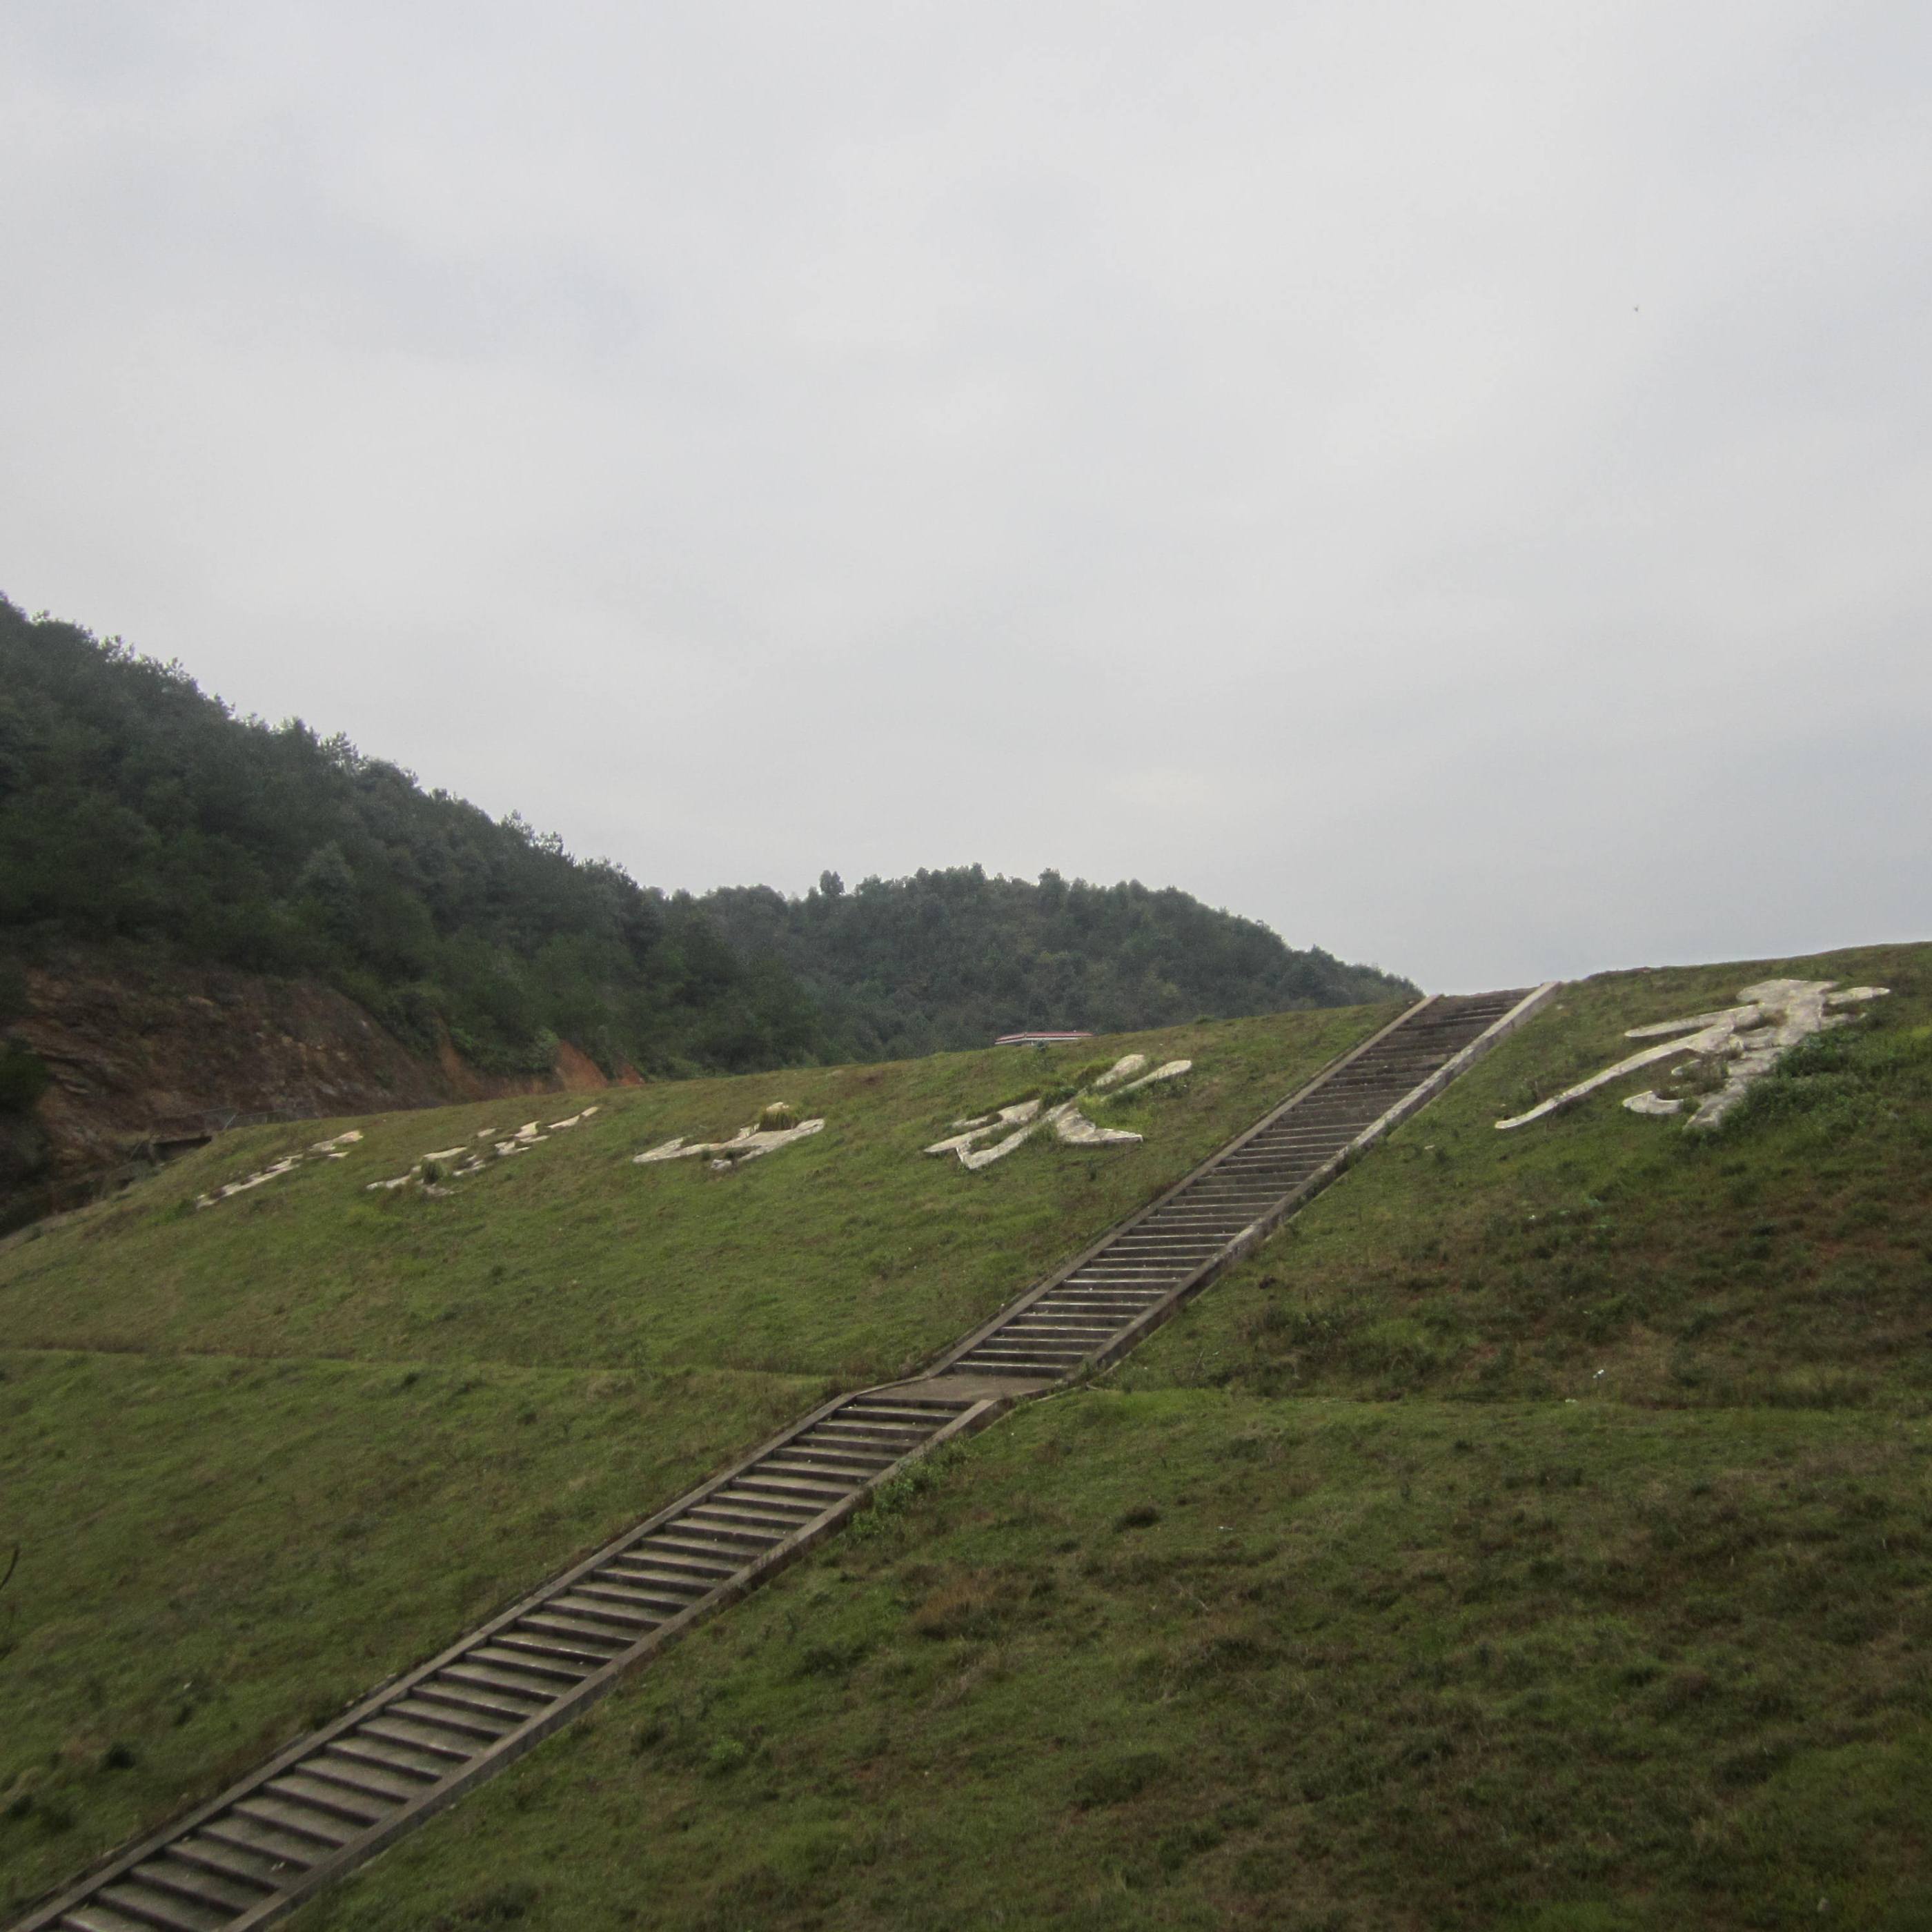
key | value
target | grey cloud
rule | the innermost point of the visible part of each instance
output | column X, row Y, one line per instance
column 1448, row 481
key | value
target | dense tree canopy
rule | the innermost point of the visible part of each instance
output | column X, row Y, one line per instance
column 954, row 958
column 133, row 808
column 135, row 811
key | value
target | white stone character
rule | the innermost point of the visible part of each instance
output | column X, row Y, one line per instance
column 1069, row 1123
column 749, row 1143
column 1776, row 1015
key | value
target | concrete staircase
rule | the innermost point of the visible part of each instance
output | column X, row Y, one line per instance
column 336, row 1797
column 1101, row 1305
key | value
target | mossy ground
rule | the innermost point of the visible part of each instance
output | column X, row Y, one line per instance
column 257, row 1458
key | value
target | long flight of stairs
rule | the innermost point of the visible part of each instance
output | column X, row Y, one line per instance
column 337, row 1796
column 1102, row 1304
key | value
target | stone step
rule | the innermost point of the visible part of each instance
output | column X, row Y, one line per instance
column 255, row 1869
column 322, row 1829
column 285, row 1849
column 1031, row 1352
column 487, row 1675
column 338, row 1802
column 541, row 1662
column 898, row 1437
column 153, row 1909
column 1071, row 1331
column 435, row 1740
column 600, row 1610
column 838, row 1464
column 213, row 1892
column 552, row 1622
column 404, row 1765
column 384, row 1754
column 709, row 1539
column 671, row 1583
column 608, row 1586
column 392, row 1788
column 469, row 1704
column 824, row 1492
column 95, row 1917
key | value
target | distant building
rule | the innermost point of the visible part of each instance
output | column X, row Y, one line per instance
column 1038, row 1039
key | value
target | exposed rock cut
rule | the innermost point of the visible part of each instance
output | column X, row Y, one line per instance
column 145, row 1058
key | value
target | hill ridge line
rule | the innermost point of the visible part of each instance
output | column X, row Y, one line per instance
column 336, row 1796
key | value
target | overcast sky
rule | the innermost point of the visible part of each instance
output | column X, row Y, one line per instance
column 1453, row 481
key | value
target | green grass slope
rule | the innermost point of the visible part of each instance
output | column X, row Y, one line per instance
column 1360, row 1598
column 258, row 1457
column 1186, row 1659
column 1596, row 1256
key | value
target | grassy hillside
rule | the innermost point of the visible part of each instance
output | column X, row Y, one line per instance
column 258, row 1457
column 1534, row 1536
column 1596, row 1255
column 847, row 1255
column 1360, row 1598
column 1187, row 1659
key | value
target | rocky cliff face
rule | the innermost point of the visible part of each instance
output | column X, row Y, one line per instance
column 145, row 1058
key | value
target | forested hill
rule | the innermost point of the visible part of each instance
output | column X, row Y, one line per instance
column 952, row 959
column 135, row 809
column 138, row 814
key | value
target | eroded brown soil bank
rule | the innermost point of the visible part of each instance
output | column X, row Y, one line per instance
column 142, row 1059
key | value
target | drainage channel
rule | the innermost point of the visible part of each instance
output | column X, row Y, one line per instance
column 337, row 1796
